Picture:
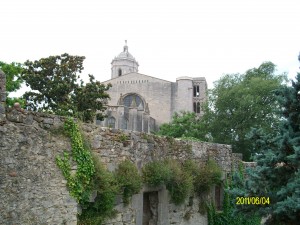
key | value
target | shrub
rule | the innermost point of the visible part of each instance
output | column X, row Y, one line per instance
column 129, row 179
column 156, row 173
column 170, row 173
column 180, row 184
column 106, row 186
column 207, row 176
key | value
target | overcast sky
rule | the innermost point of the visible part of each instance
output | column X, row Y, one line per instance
column 169, row 39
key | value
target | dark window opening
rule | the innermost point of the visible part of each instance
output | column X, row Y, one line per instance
column 196, row 91
column 119, row 72
column 218, row 197
column 196, row 107
column 111, row 122
column 150, row 208
column 129, row 98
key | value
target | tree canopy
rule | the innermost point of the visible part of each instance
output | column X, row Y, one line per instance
column 13, row 80
column 237, row 103
column 55, row 87
column 277, row 174
column 183, row 125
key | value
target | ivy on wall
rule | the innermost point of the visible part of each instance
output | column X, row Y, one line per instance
column 92, row 179
column 79, row 184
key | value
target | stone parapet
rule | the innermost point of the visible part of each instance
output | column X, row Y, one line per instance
column 2, row 96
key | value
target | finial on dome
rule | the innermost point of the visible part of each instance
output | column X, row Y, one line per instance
column 125, row 46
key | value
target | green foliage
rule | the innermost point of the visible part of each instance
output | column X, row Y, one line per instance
column 239, row 102
column 13, row 81
column 181, row 179
column 183, row 125
column 121, row 138
column 206, row 177
column 79, row 184
column 107, row 187
column 53, row 81
column 228, row 215
column 277, row 174
column 180, row 184
column 129, row 179
column 89, row 99
column 156, row 173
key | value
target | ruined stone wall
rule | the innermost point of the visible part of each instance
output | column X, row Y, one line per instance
column 32, row 188
column 2, row 96
column 112, row 146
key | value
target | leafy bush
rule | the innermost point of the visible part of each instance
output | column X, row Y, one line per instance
column 207, row 176
column 180, row 184
column 170, row 173
column 156, row 173
column 106, row 186
column 129, row 179
column 228, row 215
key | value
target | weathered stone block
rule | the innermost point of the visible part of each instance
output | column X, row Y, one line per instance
column 48, row 121
column 29, row 119
column 97, row 141
column 127, row 217
column 2, row 108
column 2, row 96
column 16, row 116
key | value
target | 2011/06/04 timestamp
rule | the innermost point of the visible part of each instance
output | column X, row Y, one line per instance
column 252, row 200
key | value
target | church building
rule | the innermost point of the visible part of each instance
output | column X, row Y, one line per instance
column 141, row 102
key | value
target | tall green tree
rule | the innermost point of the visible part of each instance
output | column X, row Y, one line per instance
column 13, row 80
column 183, row 125
column 277, row 174
column 56, row 88
column 239, row 102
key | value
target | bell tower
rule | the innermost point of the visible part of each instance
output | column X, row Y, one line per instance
column 124, row 63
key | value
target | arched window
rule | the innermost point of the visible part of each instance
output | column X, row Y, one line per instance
column 196, row 106
column 119, row 72
column 128, row 100
column 196, row 91
column 111, row 122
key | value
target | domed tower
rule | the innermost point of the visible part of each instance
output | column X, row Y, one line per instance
column 124, row 63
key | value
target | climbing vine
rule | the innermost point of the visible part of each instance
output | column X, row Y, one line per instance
column 87, row 178
column 79, row 184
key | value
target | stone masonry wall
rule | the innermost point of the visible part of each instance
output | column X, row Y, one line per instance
column 33, row 190
column 2, row 96
column 112, row 146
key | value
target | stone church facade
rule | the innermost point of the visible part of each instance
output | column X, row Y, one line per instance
column 141, row 102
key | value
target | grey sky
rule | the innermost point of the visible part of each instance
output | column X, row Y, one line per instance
column 168, row 38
